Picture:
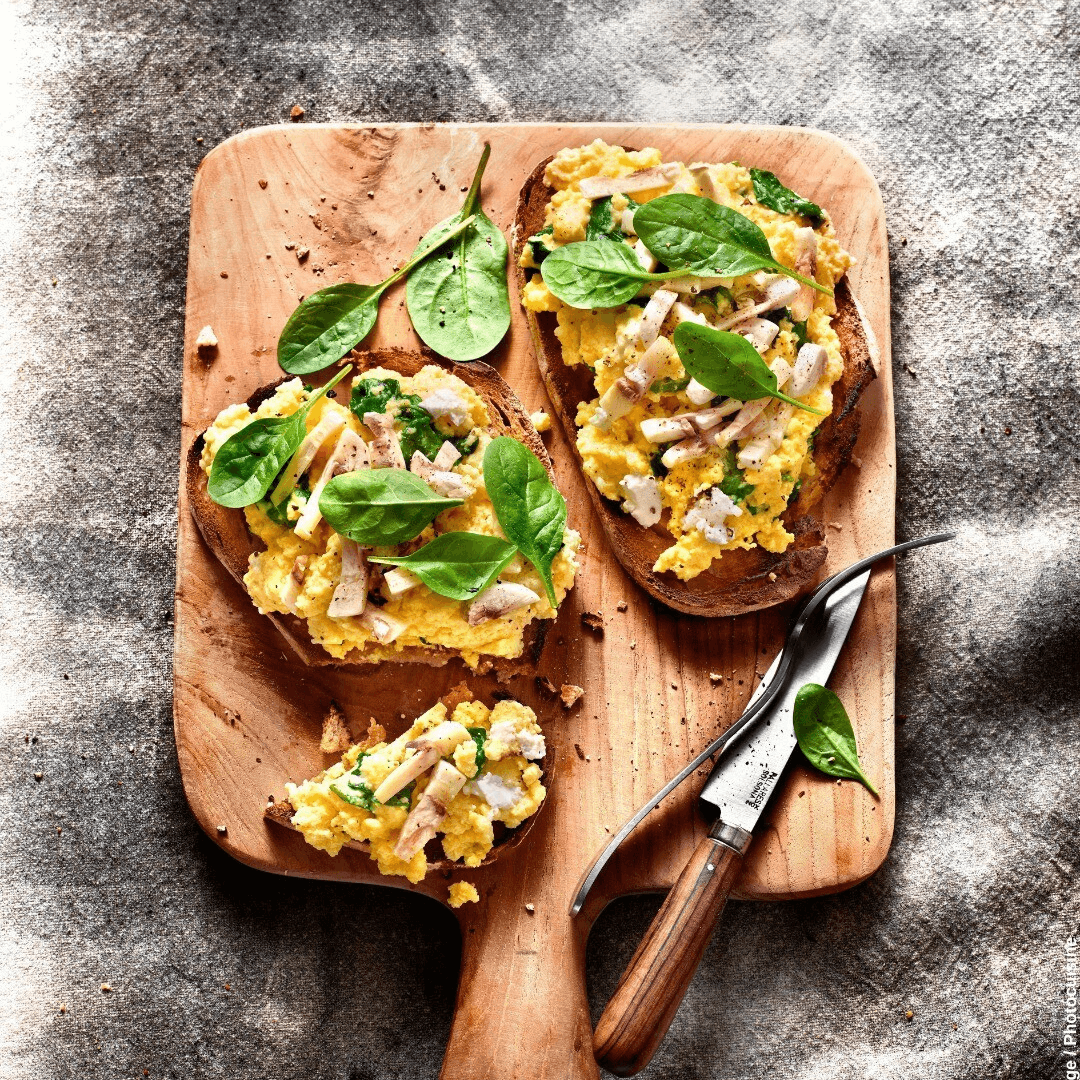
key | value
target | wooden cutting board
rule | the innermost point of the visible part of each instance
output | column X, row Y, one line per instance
column 658, row 685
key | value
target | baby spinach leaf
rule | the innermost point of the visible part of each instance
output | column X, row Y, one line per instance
column 381, row 507
column 727, row 364
column 698, row 236
column 540, row 244
column 279, row 514
column 246, row 465
column 330, row 322
column 459, row 565
column 417, row 430
column 602, row 224
column 595, row 274
column 734, row 485
column 354, row 791
column 480, row 736
column 530, row 509
column 825, row 734
column 459, row 303
column 771, row 193
column 669, row 386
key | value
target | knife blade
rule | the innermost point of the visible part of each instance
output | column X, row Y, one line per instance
column 748, row 772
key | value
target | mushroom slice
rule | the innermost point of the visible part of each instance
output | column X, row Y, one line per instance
column 702, row 173
column 664, row 429
column 766, row 441
column 350, row 454
column 761, row 333
column 440, row 741
column 447, row 457
column 686, row 450
column 630, row 387
column 385, row 447
column 330, row 424
column 599, row 187
column 386, row 628
column 642, row 499
column 445, row 402
column 645, row 256
column 779, row 293
column 809, row 367
column 498, row 600
column 290, row 589
column 652, row 318
column 748, row 414
column 444, row 482
column 709, row 516
column 428, row 814
column 681, row 313
column 698, row 394
column 399, row 580
column 350, row 595
column 805, row 264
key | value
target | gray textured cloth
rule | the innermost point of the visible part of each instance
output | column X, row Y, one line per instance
column 967, row 115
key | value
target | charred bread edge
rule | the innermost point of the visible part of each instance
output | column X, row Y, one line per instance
column 743, row 580
column 226, row 534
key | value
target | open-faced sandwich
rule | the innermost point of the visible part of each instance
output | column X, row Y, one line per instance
column 697, row 338
column 462, row 778
column 409, row 515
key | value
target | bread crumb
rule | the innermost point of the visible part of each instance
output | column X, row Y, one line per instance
column 223, row 830
column 772, row 577
column 540, row 420
column 296, row 112
column 909, row 1015
column 570, row 695
column 207, row 340
column 545, row 685
column 580, row 753
column 335, row 732
column 622, row 605
column 39, row 776
column 594, row 621
column 715, row 676
column 857, row 461
column 633, row 644
column 63, row 1009
column 462, row 892
column 263, row 183
column 224, row 273
column 836, row 525
column 376, row 733
column 302, row 253
column 105, row 988
column 530, row 908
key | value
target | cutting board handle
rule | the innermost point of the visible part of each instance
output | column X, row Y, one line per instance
column 522, row 1012
column 655, row 981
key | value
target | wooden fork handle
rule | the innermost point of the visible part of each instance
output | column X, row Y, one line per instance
column 648, row 995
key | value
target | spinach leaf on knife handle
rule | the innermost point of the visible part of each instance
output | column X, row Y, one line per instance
column 248, row 462
column 695, row 235
column 459, row 303
column 381, row 507
column 825, row 734
column 331, row 322
column 771, row 193
column 460, row 565
column 727, row 364
column 530, row 509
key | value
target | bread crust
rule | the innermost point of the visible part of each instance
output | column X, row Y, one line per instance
column 226, row 533
column 743, row 580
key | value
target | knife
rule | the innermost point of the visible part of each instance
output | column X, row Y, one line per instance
column 739, row 788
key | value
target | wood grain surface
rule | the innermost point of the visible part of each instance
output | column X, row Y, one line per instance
column 247, row 712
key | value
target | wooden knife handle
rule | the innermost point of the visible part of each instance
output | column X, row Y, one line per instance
column 648, row 995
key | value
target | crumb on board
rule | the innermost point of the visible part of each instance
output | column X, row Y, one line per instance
column 263, row 183
column 207, row 340
column 540, row 420
column 457, row 695
column 106, row 988
column 335, row 732
column 570, row 695
column 223, row 830
column 530, row 908
column 593, row 620
column 302, row 253
column 296, row 112
column 715, row 677
column 580, row 753
column 836, row 525
column 462, row 892
column 622, row 605
column 772, row 577
column 545, row 685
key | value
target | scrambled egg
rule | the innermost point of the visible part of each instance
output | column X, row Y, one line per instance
column 604, row 340
column 461, row 892
column 505, row 787
column 430, row 619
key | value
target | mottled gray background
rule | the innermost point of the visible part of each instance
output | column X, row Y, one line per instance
column 967, row 115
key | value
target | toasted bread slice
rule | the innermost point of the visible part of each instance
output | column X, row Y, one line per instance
column 742, row 580
column 226, row 533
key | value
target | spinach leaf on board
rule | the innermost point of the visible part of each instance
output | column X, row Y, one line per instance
column 417, row 426
column 771, row 193
column 698, row 236
column 246, row 465
column 530, row 509
column 331, row 322
column 459, row 565
column 825, row 734
column 459, row 303
column 381, row 507
column 727, row 364
column 480, row 736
